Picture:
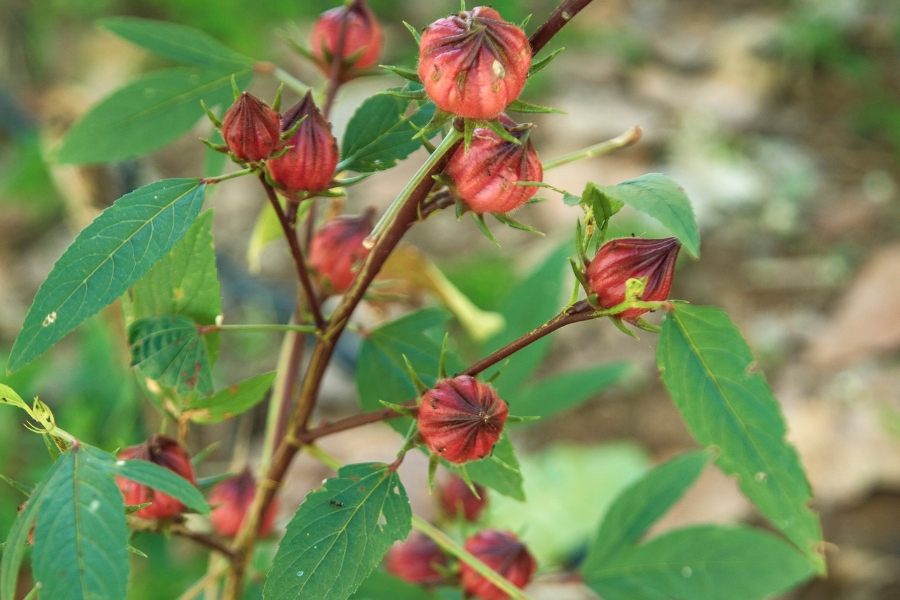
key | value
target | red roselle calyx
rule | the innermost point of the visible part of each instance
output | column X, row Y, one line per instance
column 633, row 258
column 308, row 166
column 362, row 38
column 415, row 560
column 165, row 452
column 234, row 497
column 486, row 174
column 474, row 64
column 503, row 552
column 457, row 499
column 336, row 247
column 460, row 419
column 251, row 129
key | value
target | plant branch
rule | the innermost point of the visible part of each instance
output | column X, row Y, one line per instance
column 179, row 529
column 299, row 261
column 204, row 329
column 562, row 15
column 337, row 60
column 630, row 137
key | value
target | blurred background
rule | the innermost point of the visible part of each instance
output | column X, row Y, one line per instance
column 780, row 118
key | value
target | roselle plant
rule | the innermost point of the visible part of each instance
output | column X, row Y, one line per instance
column 152, row 253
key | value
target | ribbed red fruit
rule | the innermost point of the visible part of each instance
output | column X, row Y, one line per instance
column 165, row 452
column 457, row 499
column 337, row 247
column 415, row 560
column 232, row 499
column 503, row 552
column 251, row 129
column 362, row 38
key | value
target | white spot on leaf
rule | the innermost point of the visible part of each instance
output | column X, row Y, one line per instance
column 382, row 521
column 687, row 572
column 50, row 319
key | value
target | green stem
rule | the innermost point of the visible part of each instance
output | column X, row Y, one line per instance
column 290, row 81
column 227, row 176
column 195, row 590
column 264, row 327
column 622, row 141
column 451, row 547
column 453, row 136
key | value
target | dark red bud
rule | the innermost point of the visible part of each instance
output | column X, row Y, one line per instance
column 308, row 166
column 457, row 499
column 633, row 258
column 474, row 64
column 234, row 497
column 251, row 129
column 415, row 560
column 460, row 419
column 165, row 452
column 503, row 552
column 337, row 247
column 485, row 175
column 362, row 38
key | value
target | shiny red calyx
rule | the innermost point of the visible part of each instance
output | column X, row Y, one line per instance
column 415, row 560
column 231, row 500
column 165, row 452
column 251, row 129
column 503, row 552
column 362, row 38
column 337, row 247
column 458, row 500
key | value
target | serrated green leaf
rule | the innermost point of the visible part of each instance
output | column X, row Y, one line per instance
column 709, row 371
column 184, row 282
column 178, row 42
column 340, row 534
column 158, row 478
column 170, row 349
column 555, row 394
column 703, row 563
column 378, row 134
column 641, row 504
column 233, row 400
column 658, row 196
column 499, row 471
column 109, row 255
column 81, row 536
column 147, row 114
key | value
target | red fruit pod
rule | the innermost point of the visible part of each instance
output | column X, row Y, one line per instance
column 232, row 499
column 458, row 500
column 308, row 166
column 165, row 452
column 251, row 129
column 486, row 174
column 632, row 258
column 362, row 38
column 503, row 552
column 416, row 560
column 474, row 64
column 460, row 419
column 337, row 247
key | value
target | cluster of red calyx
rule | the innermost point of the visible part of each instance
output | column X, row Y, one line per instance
column 361, row 43
column 503, row 552
column 457, row 500
column 417, row 560
column 336, row 247
column 633, row 258
column 251, row 129
column 165, row 452
column 231, row 500
column 486, row 173
column 460, row 419
column 474, row 64
column 308, row 165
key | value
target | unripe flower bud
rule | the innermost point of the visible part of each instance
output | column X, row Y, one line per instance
column 633, row 258
column 308, row 166
column 362, row 38
column 165, row 452
column 474, row 64
column 460, row 419
column 251, row 129
column 234, row 497
column 485, row 175
column 336, row 247
column 457, row 499
column 415, row 559
column 503, row 552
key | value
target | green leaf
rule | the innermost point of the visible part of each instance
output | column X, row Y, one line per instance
column 381, row 586
column 159, row 478
column 499, row 471
column 14, row 547
column 184, row 282
column 703, row 563
column 378, row 134
column 340, row 534
column 563, row 392
column 81, row 536
column 233, row 400
column 178, row 42
column 107, row 257
column 710, row 373
column 170, row 349
column 641, row 504
column 147, row 114
column 664, row 200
